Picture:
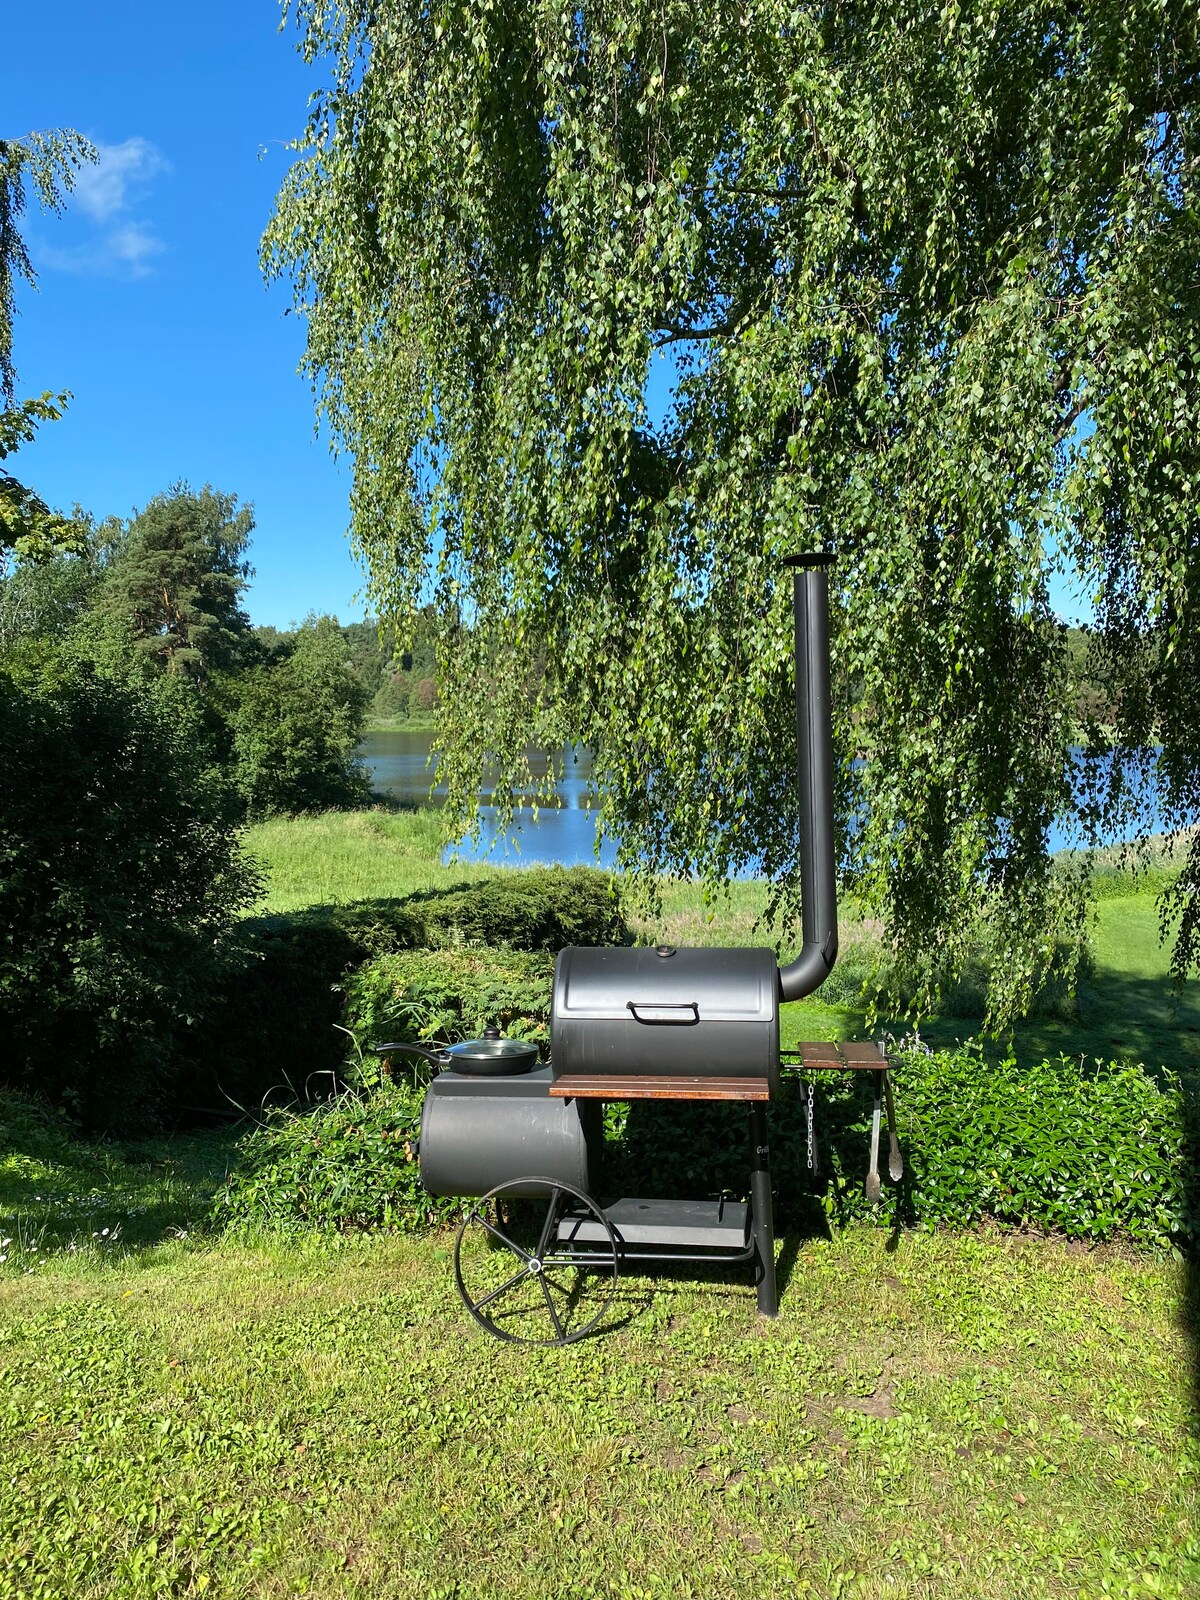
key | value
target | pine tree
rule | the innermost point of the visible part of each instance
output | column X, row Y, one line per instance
column 177, row 578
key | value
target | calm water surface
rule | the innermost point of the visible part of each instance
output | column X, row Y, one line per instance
column 399, row 764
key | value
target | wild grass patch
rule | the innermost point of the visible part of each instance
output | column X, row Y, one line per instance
column 946, row 1419
column 61, row 1197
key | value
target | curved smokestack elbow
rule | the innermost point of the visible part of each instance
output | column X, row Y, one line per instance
column 818, row 868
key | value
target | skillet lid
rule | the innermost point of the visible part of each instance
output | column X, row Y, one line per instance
column 492, row 1056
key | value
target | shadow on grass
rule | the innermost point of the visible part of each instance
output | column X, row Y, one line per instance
column 1190, row 1309
column 1120, row 1018
column 702, row 1151
column 58, row 1195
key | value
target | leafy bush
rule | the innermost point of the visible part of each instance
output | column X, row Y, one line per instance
column 294, row 726
column 532, row 908
column 119, row 869
column 284, row 980
column 450, row 994
column 1094, row 1154
column 347, row 1163
column 31, row 1128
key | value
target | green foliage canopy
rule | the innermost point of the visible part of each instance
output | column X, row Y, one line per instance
column 926, row 280
column 176, row 578
column 295, row 725
column 48, row 162
column 118, row 870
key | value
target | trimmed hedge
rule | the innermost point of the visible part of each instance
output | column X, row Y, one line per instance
column 526, row 908
column 1093, row 1153
column 277, row 1012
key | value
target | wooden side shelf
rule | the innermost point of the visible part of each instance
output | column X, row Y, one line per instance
column 845, row 1055
column 591, row 1086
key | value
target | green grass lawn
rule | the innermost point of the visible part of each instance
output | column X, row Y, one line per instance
column 928, row 1417
column 1127, row 1009
column 338, row 857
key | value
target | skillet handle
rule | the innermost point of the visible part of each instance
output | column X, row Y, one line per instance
column 438, row 1059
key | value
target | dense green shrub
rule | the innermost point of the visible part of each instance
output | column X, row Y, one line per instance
column 1093, row 1152
column 347, row 1163
column 450, row 994
column 294, row 723
column 31, row 1128
column 119, row 869
column 1100, row 1153
column 532, row 908
column 275, row 1016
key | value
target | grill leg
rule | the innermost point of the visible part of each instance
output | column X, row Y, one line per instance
column 760, row 1204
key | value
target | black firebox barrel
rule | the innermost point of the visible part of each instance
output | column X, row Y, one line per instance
column 818, row 869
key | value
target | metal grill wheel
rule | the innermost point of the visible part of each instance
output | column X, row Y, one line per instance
column 518, row 1281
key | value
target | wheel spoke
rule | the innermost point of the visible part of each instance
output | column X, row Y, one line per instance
column 516, row 1278
column 551, row 1217
column 547, row 1277
column 483, row 1222
column 559, row 1329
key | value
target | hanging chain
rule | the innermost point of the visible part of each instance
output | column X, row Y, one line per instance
column 812, row 1154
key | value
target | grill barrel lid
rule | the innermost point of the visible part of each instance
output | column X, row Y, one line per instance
column 666, row 987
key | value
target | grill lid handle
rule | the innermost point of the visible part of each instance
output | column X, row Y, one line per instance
column 673, row 1006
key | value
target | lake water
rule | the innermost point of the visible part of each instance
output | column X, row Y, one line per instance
column 399, row 764
column 564, row 835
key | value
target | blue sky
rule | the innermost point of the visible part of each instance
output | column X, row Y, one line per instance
column 151, row 307
column 150, row 304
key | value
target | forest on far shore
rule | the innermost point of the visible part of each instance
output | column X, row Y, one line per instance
column 400, row 686
column 399, row 682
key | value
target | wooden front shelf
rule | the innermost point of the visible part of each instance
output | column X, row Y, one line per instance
column 592, row 1086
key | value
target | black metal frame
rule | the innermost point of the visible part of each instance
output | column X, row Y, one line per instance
column 758, row 1239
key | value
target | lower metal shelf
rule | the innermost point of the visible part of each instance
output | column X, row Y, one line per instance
column 676, row 1227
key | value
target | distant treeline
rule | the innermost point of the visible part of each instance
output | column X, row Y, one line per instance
column 143, row 720
column 399, row 685
column 157, row 601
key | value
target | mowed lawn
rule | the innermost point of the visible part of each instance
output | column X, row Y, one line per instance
column 929, row 1416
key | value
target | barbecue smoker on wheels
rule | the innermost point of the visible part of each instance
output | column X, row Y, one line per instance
column 640, row 1024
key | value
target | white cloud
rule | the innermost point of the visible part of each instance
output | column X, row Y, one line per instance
column 108, row 187
column 116, row 242
column 133, row 245
column 121, row 252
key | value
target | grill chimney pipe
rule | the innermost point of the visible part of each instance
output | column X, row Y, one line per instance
column 818, row 875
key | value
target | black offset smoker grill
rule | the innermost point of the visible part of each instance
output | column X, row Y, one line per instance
column 658, row 1024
